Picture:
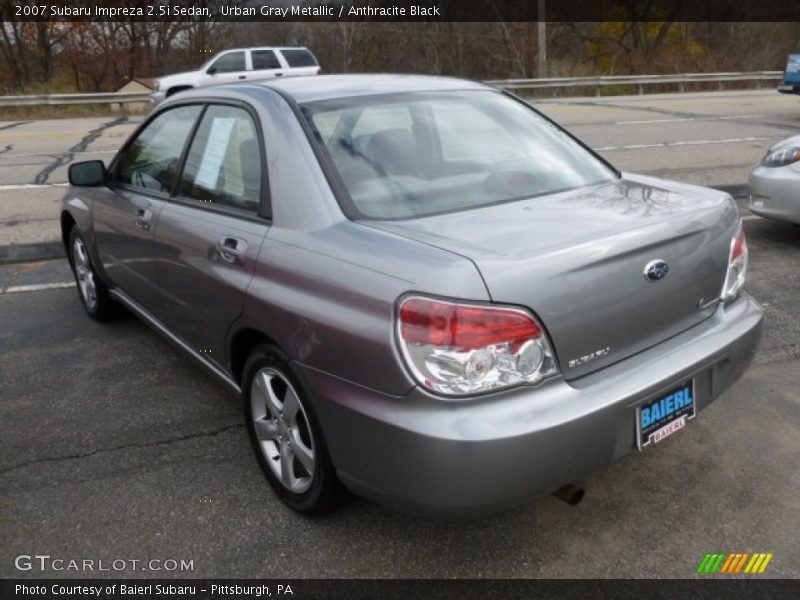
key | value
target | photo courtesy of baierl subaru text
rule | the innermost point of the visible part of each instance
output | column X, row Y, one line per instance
column 400, row 299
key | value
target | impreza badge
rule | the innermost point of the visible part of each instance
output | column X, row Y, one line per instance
column 577, row 362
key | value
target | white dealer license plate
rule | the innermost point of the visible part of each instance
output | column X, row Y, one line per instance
column 663, row 416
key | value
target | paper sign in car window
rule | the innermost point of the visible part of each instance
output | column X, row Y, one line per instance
column 216, row 146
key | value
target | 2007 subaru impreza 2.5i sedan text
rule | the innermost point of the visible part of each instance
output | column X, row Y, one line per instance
column 426, row 292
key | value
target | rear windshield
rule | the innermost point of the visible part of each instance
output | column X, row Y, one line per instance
column 403, row 156
column 299, row 58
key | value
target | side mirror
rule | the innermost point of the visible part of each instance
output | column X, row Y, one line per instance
column 90, row 173
column 212, row 70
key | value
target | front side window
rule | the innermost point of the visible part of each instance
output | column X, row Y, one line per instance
column 230, row 63
column 264, row 59
column 404, row 156
column 224, row 163
column 151, row 161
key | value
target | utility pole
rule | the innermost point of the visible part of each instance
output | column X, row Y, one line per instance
column 542, row 37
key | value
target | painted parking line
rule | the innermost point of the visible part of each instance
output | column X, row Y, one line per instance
column 31, row 186
column 690, row 143
column 647, row 121
column 684, row 119
column 729, row 118
column 16, row 136
column 52, row 154
column 20, row 289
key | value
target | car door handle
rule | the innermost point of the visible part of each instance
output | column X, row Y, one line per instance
column 278, row 74
column 142, row 219
column 242, row 76
column 232, row 250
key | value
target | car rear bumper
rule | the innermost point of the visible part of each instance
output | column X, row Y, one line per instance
column 789, row 88
column 775, row 192
column 462, row 458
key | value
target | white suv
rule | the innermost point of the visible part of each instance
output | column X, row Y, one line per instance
column 239, row 64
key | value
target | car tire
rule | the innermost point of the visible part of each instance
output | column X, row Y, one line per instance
column 286, row 436
column 92, row 291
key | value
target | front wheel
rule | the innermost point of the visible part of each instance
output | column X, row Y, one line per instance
column 93, row 292
column 285, row 435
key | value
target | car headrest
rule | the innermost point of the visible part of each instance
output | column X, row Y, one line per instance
column 394, row 150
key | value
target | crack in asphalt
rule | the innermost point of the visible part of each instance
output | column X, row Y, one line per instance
column 189, row 436
column 12, row 125
column 81, row 146
column 117, row 473
column 8, row 148
column 784, row 354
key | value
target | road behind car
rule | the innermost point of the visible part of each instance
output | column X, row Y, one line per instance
column 100, row 460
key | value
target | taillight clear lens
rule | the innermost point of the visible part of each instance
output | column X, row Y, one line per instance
column 461, row 349
column 737, row 266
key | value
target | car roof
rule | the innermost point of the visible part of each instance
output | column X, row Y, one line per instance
column 327, row 87
column 243, row 48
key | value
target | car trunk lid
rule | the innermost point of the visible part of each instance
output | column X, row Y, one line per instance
column 577, row 260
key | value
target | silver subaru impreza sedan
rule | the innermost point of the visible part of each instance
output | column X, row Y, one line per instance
column 775, row 182
column 425, row 291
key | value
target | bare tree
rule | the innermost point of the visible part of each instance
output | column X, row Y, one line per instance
column 102, row 55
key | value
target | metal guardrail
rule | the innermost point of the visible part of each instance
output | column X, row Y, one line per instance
column 640, row 81
column 63, row 99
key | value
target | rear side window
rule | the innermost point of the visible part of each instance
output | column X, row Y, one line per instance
column 265, row 59
column 230, row 63
column 150, row 162
column 224, row 163
column 299, row 58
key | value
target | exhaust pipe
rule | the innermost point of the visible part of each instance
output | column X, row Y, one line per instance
column 570, row 493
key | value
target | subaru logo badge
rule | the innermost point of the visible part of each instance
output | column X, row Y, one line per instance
column 655, row 270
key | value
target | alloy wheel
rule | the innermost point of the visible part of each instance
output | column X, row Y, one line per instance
column 282, row 429
column 84, row 273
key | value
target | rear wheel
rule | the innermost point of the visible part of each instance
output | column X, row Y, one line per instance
column 91, row 289
column 285, row 435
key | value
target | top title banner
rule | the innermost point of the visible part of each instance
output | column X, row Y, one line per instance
column 399, row 10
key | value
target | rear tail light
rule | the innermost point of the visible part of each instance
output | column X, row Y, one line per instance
column 737, row 266
column 461, row 349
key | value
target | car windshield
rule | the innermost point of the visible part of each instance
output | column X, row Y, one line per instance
column 402, row 156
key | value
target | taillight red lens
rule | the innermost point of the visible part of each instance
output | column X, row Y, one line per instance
column 739, row 246
column 424, row 321
column 459, row 349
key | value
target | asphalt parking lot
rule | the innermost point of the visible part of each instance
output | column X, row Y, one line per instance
column 115, row 446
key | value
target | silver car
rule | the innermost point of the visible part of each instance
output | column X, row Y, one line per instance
column 425, row 291
column 775, row 182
